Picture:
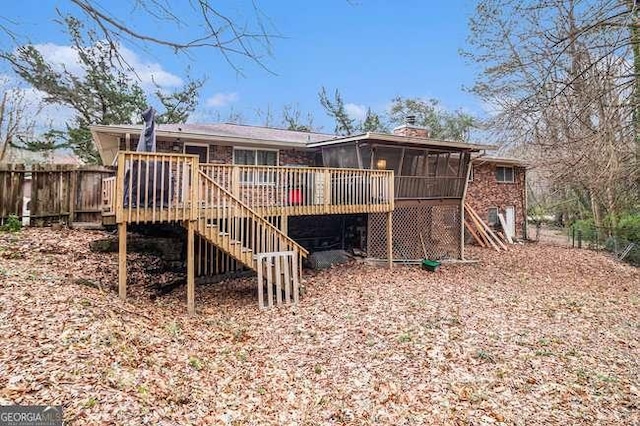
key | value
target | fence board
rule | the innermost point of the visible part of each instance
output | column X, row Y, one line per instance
column 57, row 192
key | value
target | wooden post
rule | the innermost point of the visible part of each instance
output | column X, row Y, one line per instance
column 122, row 260
column 127, row 142
column 190, row 268
column 235, row 181
column 462, row 201
column 326, row 197
column 390, row 239
column 119, row 192
column 73, row 189
column 284, row 224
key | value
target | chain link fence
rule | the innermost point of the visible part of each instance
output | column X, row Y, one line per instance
column 602, row 238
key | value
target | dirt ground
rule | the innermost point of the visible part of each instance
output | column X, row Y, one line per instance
column 537, row 335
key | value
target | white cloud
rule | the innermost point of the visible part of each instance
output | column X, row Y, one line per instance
column 148, row 73
column 222, row 99
column 359, row 112
column 44, row 115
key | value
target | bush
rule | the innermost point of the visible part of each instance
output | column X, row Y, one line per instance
column 12, row 224
column 587, row 227
column 629, row 228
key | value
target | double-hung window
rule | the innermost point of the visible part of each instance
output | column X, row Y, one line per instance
column 255, row 157
column 504, row 174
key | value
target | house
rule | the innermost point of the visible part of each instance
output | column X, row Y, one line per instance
column 247, row 193
column 498, row 185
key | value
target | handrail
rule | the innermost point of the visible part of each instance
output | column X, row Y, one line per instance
column 154, row 186
column 108, row 194
column 305, row 190
column 254, row 215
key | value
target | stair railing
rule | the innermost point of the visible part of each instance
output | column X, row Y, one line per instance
column 237, row 228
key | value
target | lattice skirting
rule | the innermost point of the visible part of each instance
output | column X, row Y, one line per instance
column 438, row 225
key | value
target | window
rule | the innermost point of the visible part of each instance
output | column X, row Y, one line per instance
column 504, row 174
column 201, row 151
column 255, row 157
column 492, row 216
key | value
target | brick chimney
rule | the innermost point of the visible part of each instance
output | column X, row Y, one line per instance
column 410, row 129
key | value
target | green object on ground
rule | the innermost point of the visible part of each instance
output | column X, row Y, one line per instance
column 431, row 265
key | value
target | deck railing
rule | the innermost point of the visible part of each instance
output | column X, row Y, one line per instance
column 225, row 219
column 154, row 187
column 312, row 190
column 421, row 187
column 159, row 187
column 108, row 195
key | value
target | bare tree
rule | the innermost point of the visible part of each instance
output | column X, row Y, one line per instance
column 16, row 117
column 560, row 74
column 231, row 36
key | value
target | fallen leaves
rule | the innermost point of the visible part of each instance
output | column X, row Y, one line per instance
column 535, row 335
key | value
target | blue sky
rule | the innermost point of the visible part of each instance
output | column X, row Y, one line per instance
column 371, row 50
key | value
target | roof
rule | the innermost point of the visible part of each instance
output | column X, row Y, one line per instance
column 17, row 155
column 508, row 161
column 228, row 130
column 402, row 140
column 107, row 137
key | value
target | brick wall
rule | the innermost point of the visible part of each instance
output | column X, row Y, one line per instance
column 295, row 157
column 485, row 192
column 222, row 154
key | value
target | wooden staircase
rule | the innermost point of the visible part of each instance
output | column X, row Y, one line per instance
column 239, row 231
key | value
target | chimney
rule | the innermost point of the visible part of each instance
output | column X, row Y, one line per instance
column 409, row 129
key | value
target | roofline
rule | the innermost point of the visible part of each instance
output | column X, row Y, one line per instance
column 500, row 160
column 197, row 136
column 406, row 139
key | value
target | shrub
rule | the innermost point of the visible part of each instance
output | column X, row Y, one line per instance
column 12, row 224
column 587, row 227
column 629, row 228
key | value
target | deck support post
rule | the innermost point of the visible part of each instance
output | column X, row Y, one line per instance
column 462, row 201
column 122, row 260
column 390, row 238
column 190, row 268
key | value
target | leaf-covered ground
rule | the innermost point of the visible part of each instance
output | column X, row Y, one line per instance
column 537, row 335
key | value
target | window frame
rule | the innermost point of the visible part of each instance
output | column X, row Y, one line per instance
column 254, row 179
column 503, row 180
column 489, row 216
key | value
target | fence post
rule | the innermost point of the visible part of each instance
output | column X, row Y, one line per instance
column 579, row 238
column 573, row 236
column 73, row 189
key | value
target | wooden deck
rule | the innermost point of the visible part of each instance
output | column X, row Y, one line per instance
column 227, row 206
column 156, row 186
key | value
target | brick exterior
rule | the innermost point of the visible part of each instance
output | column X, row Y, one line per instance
column 223, row 154
column 294, row 157
column 485, row 192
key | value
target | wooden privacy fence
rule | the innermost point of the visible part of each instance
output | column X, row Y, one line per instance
column 52, row 193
